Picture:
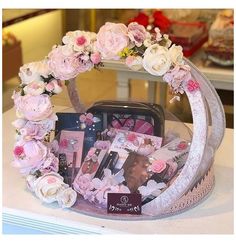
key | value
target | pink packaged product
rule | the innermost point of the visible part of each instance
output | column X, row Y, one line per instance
column 126, row 141
column 71, row 147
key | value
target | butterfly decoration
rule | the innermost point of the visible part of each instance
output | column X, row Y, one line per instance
column 87, row 119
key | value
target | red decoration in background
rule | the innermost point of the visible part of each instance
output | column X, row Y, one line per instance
column 161, row 21
column 142, row 19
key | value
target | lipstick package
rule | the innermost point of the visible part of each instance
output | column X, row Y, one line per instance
column 109, row 163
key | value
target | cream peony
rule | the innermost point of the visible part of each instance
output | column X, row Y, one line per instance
column 176, row 54
column 156, row 60
column 66, row 198
column 48, row 186
column 33, row 72
column 35, row 88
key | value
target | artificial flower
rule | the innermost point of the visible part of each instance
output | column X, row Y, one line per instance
column 176, row 54
column 151, row 189
column 34, row 108
column 34, row 88
column 192, row 85
column 30, row 182
column 80, row 41
column 54, row 86
column 137, row 33
column 96, row 58
column 83, row 184
column 50, row 164
column 112, row 38
column 19, row 123
column 66, row 64
column 178, row 77
column 156, row 60
column 34, row 72
column 66, row 198
column 48, row 186
column 158, row 35
column 29, row 155
column 134, row 62
column 158, row 166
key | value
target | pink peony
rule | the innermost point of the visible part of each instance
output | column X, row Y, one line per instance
column 178, row 77
column 66, row 64
column 112, row 38
column 34, row 108
column 83, row 183
column 158, row 166
column 29, row 156
column 137, row 33
column 96, row 58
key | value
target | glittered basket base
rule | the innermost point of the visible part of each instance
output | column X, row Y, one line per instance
column 189, row 200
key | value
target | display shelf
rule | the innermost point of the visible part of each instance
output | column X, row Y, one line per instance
column 213, row 216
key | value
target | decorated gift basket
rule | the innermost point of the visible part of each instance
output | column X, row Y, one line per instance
column 116, row 159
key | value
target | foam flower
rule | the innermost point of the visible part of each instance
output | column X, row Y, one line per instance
column 112, row 38
column 66, row 198
column 152, row 188
column 48, row 186
column 156, row 60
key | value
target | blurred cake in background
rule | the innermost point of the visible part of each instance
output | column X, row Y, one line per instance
column 220, row 45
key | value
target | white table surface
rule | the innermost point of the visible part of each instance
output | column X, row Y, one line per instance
column 20, row 207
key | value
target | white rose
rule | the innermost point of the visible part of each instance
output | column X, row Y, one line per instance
column 176, row 54
column 67, row 198
column 33, row 72
column 156, row 60
column 48, row 186
column 134, row 62
column 35, row 88
column 30, row 181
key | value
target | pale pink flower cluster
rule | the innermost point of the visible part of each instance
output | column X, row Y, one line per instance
column 95, row 190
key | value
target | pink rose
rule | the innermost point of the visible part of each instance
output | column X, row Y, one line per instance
column 134, row 62
column 178, row 77
column 50, row 164
column 192, row 85
column 137, row 33
column 83, row 183
column 29, row 155
column 112, row 38
column 158, row 166
column 96, row 58
column 34, row 108
column 66, row 64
